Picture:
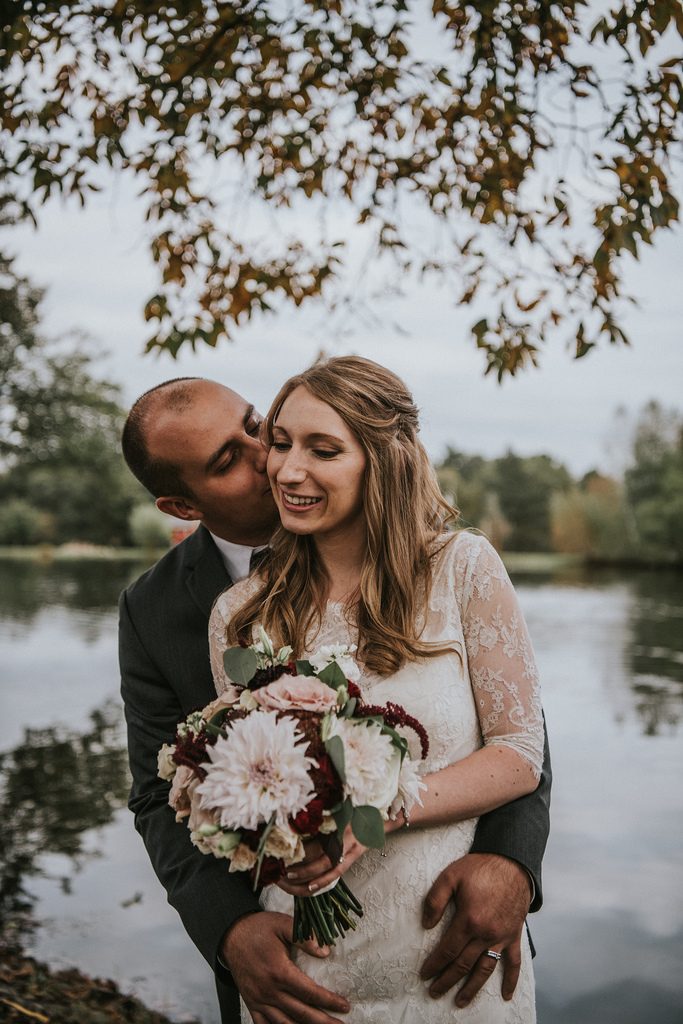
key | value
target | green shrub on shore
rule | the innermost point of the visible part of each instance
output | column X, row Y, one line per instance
column 149, row 528
column 22, row 523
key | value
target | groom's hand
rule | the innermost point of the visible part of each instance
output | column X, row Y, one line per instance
column 257, row 951
column 491, row 897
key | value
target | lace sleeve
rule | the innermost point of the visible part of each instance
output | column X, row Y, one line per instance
column 501, row 659
column 225, row 606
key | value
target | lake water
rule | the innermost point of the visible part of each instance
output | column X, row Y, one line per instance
column 77, row 886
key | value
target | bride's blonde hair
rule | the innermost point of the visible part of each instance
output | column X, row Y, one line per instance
column 405, row 515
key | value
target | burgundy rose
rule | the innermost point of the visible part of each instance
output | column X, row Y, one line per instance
column 327, row 783
column 272, row 870
column 308, row 821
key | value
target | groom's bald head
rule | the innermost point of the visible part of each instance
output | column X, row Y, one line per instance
column 159, row 475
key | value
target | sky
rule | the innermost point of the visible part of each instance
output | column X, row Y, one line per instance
column 95, row 266
column 98, row 275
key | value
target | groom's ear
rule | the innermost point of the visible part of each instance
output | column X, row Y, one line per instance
column 181, row 508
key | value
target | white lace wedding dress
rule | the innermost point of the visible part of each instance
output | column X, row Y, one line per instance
column 486, row 691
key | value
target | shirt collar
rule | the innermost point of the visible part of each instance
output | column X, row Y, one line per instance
column 236, row 557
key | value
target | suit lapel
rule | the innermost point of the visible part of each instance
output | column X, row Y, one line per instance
column 206, row 574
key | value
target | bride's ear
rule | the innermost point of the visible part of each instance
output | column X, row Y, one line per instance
column 180, row 508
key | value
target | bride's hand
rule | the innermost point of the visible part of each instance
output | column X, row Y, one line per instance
column 317, row 869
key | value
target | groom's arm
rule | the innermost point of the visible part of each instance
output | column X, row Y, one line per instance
column 491, row 890
column 207, row 897
column 519, row 830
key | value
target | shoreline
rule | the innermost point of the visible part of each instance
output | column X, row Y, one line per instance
column 31, row 991
column 527, row 562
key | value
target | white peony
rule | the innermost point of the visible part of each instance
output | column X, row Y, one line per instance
column 258, row 770
column 371, row 763
column 342, row 654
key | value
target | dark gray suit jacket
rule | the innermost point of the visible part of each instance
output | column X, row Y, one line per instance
column 165, row 674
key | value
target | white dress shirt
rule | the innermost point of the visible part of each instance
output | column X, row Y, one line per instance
column 236, row 557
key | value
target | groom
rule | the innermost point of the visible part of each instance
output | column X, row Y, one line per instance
column 195, row 445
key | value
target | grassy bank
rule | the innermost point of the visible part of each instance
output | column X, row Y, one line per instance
column 32, row 993
column 540, row 561
column 79, row 553
column 528, row 562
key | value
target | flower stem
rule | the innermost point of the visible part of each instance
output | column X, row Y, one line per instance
column 327, row 916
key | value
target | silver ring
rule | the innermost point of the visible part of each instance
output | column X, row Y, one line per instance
column 494, row 956
column 341, row 859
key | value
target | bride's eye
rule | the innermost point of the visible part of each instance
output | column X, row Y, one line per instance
column 281, row 446
column 325, row 453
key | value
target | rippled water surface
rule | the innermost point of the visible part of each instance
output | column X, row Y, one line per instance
column 77, row 886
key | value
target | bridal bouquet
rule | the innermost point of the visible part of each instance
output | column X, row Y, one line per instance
column 290, row 752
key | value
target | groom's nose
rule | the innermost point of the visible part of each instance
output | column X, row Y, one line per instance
column 257, row 454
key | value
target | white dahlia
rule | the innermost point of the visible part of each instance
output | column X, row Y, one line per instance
column 257, row 770
column 371, row 763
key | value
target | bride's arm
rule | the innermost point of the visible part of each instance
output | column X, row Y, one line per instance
column 505, row 685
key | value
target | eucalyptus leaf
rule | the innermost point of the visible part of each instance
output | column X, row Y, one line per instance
column 400, row 742
column 342, row 816
column 304, row 668
column 240, row 664
column 349, row 708
column 368, row 826
column 335, row 748
column 332, row 675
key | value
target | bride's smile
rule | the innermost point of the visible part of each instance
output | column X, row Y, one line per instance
column 316, row 468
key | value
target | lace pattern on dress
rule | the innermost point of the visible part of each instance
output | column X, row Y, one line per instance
column 501, row 661
column 472, row 607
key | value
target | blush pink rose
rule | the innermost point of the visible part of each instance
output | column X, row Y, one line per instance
column 306, row 693
column 178, row 797
column 227, row 699
column 198, row 815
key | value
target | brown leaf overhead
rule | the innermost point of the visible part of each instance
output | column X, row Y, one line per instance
column 547, row 131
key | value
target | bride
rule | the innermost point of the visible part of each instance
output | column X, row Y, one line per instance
column 363, row 557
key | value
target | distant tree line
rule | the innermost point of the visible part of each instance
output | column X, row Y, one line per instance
column 535, row 504
column 62, row 477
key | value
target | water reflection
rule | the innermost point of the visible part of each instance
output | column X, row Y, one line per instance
column 55, row 786
column 656, row 650
column 28, row 587
column 610, row 937
column 635, row 630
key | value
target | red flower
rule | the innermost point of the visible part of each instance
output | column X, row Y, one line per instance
column 251, row 837
column 308, row 821
column 327, row 784
column 190, row 750
column 263, row 676
column 354, row 690
column 393, row 715
column 272, row 869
